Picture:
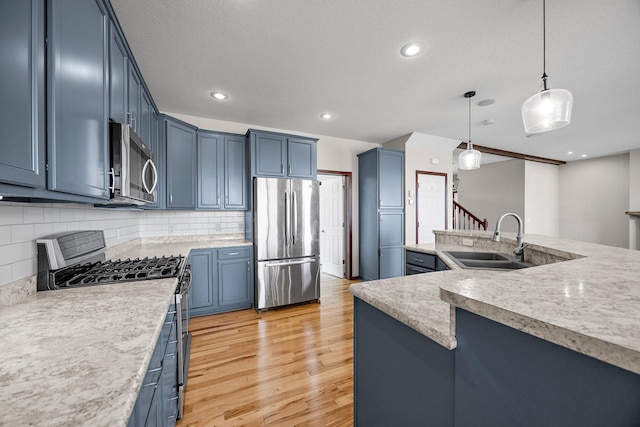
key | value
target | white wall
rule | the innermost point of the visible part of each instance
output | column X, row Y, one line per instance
column 421, row 151
column 493, row 190
column 541, row 198
column 22, row 223
column 337, row 154
column 594, row 195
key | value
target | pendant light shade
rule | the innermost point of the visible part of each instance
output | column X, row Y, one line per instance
column 548, row 109
column 469, row 159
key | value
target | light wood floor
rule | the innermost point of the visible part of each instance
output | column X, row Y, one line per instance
column 285, row 367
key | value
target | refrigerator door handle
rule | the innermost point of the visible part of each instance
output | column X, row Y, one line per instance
column 294, row 209
column 284, row 264
column 286, row 220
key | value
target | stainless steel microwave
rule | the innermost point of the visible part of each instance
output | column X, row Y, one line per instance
column 133, row 174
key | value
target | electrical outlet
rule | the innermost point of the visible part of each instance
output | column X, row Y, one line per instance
column 467, row 242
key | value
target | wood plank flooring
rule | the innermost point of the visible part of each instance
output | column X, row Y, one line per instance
column 284, row 367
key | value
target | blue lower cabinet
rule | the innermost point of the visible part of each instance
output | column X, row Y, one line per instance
column 157, row 402
column 505, row 377
column 222, row 280
column 419, row 262
column 401, row 378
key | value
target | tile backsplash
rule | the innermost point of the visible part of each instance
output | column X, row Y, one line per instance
column 22, row 223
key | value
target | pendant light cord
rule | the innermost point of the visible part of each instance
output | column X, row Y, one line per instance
column 544, row 46
column 469, row 146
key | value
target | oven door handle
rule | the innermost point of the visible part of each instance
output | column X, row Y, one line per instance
column 144, row 174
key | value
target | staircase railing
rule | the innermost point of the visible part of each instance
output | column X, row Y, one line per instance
column 465, row 220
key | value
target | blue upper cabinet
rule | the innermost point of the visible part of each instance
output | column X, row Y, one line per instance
column 280, row 155
column 235, row 172
column 118, row 70
column 210, row 166
column 222, row 177
column 78, row 97
column 270, row 154
column 22, row 103
column 181, row 158
column 134, row 88
column 391, row 179
column 302, row 158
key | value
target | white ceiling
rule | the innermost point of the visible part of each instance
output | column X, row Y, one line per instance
column 284, row 62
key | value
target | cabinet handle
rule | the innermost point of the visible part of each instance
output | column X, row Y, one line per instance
column 170, row 197
column 418, row 260
column 248, row 267
column 218, row 202
column 128, row 118
column 289, row 168
column 281, row 168
column 134, row 122
column 233, row 253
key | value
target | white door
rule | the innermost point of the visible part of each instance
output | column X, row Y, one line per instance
column 432, row 205
column 332, row 226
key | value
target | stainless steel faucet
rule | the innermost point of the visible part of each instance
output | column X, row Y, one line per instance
column 520, row 245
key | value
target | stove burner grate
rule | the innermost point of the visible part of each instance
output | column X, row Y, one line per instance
column 128, row 270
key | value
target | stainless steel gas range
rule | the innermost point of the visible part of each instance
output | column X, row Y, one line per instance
column 77, row 259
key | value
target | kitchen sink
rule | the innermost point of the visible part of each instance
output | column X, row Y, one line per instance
column 486, row 260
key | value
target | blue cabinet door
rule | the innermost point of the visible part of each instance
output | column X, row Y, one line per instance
column 270, row 154
column 391, row 179
column 146, row 115
column 302, row 158
column 78, row 97
column 203, row 295
column 391, row 228
column 235, row 173
column 181, row 159
column 391, row 261
column 134, row 88
column 22, row 104
column 210, row 167
column 118, row 69
column 233, row 284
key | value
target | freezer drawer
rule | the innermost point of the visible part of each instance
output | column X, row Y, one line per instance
column 283, row 282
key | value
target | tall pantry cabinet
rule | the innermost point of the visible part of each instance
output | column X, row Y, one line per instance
column 381, row 213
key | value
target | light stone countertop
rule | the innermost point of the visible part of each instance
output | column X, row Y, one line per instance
column 589, row 303
column 77, row 357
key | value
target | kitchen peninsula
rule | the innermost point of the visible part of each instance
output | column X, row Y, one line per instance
column 555, row 344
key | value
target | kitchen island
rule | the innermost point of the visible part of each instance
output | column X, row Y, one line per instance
column 540, row 346
column 78, row 356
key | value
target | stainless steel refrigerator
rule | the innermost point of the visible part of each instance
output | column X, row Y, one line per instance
column 286, row 241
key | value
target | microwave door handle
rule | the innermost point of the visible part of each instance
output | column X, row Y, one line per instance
column 144, row 174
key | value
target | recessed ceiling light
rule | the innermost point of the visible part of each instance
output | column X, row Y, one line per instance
column 326, row 116
column 412, row 49
column 220, row 96
column 486, row 102
column 584, row 155
column 569, row 152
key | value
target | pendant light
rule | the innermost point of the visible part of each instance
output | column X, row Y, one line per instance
column 469, row 159
column 548, row 109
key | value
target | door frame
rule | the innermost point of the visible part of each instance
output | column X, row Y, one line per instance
column 446, row 199
column 348, row 272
